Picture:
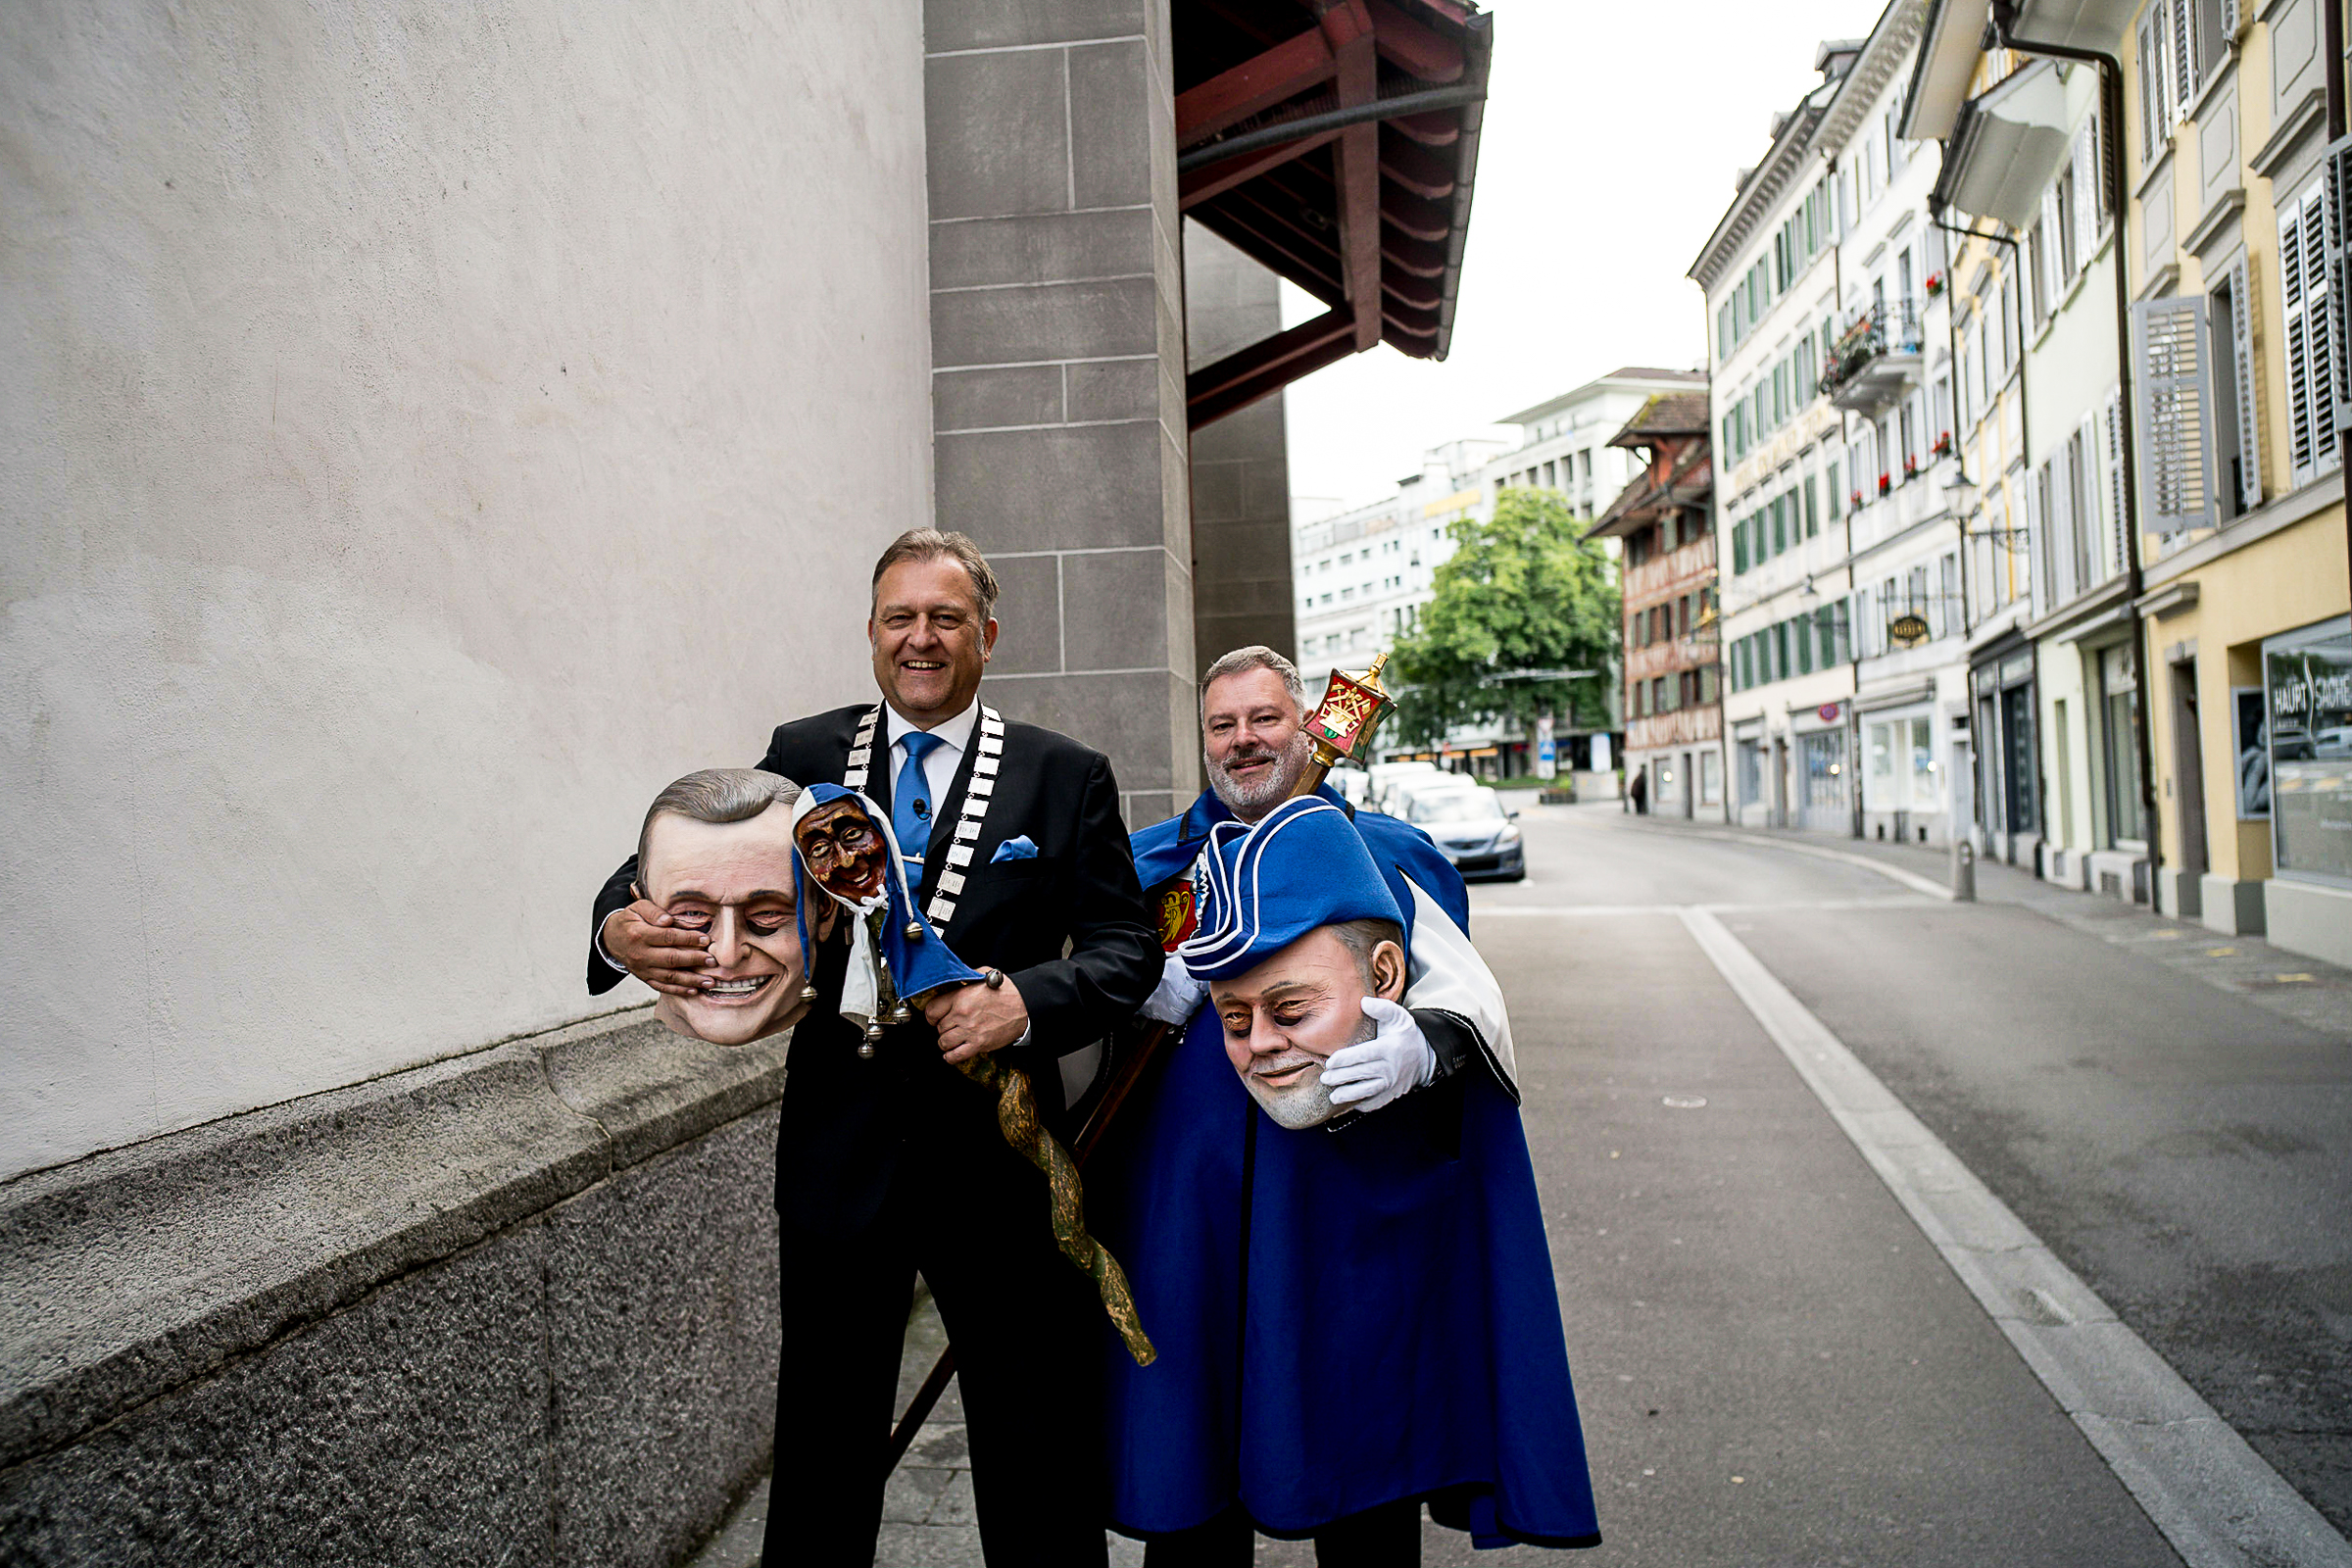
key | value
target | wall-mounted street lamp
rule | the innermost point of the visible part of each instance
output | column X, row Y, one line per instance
column 1960, row 492
column 1961, row 495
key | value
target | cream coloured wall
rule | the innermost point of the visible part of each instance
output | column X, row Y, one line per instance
column 426, row 433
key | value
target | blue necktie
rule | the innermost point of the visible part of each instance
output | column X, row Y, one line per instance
column 910, row 799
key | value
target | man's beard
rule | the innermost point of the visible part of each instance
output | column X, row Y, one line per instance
column 1252, row 800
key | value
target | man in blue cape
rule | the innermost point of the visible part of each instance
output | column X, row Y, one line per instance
column 1358, row 1317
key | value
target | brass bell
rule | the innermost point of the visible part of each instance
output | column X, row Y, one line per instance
column 896, row 1015
column 865, row 1052
column 915, row 930
column 808, row 991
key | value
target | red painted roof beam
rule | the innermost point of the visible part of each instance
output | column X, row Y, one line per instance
column 1256, row 84
column 1262, row 369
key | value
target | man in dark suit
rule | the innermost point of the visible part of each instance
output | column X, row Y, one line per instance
column 890, row 1162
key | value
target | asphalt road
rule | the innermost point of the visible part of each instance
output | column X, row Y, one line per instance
column 1746, row 1299
column 1774, row 1363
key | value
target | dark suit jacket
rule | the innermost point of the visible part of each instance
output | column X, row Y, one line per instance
column 1068, row 928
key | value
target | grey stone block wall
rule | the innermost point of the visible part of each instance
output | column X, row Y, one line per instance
column 520, row 1307
column 1241, row 470
column 1058, row 367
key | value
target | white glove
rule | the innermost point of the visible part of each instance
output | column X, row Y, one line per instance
column 1393, row 1063
column 1173, row 1000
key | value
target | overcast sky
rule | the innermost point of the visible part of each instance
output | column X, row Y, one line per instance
column 1612, row 134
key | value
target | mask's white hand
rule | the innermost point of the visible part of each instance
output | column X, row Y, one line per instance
column 1393, row 1063
column 1173, row 1000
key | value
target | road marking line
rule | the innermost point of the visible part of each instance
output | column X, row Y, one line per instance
column 1910, row 879
column 1892, row 902
column 2216, row 1499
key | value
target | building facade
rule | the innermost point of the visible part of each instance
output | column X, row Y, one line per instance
column 2184, row 632
column 2052, row 644
column 1672, row 695
column 1362, row 575
column 1843, row 612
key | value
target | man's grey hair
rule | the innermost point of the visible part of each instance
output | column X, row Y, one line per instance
column 1258, row 655
column 930, row 544
column 1361, row 938
column 716, row 795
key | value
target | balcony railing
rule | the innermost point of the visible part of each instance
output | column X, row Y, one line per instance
column 1875, row 359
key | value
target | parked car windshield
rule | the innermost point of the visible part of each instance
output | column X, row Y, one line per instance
column 1455, row 806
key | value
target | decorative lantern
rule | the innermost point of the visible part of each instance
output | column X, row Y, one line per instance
column 1343, row 723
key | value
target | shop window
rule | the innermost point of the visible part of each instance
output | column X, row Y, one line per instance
column 1821, row 753
column 1902, row 765
column 2308, row 684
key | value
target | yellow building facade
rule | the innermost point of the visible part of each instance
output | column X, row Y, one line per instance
column 2243, row 519
column 2171, row 655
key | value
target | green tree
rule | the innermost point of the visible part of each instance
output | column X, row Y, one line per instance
column 1524, row 591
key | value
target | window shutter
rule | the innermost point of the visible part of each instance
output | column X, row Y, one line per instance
column 2058, row 526
column 2336, row 225
column 2175, row 437
column 2112, row 447
column 2320, row 325
column 2305, row 308
column 2036, row 557
column 2229, row 20
column 2249, row 402
column 2045, row 251
column 2299, row 436
column 2151, row 88
column 2184, row 55
column 2090, row 190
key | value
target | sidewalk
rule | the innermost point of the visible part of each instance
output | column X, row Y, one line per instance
column 2313, row 993
column 927, row 1508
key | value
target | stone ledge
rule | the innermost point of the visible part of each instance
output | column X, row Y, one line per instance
column 132, row 1273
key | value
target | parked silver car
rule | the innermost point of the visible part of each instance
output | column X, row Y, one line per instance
column 1471, row 828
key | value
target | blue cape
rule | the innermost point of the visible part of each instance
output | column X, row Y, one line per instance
column 1346, row 1316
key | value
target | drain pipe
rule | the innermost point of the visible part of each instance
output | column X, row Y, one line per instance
column 2111, row 111
column 2334, row 42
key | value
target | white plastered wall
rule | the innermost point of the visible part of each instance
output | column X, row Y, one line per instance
column 425, row 432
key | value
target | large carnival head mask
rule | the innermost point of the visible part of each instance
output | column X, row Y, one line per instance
column 1297, row 929
column 715, row 852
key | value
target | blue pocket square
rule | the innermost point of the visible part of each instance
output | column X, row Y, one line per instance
column 1020, row 849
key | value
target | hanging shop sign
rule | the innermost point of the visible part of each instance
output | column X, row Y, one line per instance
column 1907, row 631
